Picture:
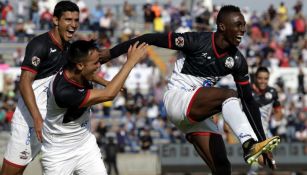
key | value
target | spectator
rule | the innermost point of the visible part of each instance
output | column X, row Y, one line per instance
column 111, row 151
column 128, row 9
column 96, row 14
column 34, row 15
column 145, row 140
column 45, row 20
column 148, row 17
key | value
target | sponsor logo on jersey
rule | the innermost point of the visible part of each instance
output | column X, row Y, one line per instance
column 179, row 41
column 35, row 61
column 229, row 63
column 52, row 50
column 81, row 90
column 204, row 54
column 268, row 95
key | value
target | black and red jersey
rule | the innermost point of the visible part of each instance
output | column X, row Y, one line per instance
column 44, row 56
column 267, row 100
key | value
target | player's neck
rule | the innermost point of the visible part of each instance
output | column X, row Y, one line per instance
column 56, row 35
column 220, row 44
column 72, row 75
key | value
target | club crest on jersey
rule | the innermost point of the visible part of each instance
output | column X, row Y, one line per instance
column 268, row 96
column 35, row 61
column 179, row 41
column 229, row 63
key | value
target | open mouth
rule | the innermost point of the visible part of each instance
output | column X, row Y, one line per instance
column 70, row 33
column 239, row 38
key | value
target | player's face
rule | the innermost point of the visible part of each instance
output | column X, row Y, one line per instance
column 68, row 24
column 234, row 28
column 91, row 65
column 262, row 80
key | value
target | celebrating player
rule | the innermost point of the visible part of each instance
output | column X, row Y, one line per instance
column 191, row 97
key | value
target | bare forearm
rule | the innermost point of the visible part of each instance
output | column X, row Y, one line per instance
column 100, row 80
column 118, row 81
column 113, row 87
column 27, row 94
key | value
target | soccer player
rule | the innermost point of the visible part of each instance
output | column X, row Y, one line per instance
column 43, row 58
column 191, row 97
column 69, row 147
column 266, row 98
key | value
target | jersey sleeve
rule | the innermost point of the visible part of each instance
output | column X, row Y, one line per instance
column 186, row 42
column 35, row 52
column 240, row 72
column 71, row 97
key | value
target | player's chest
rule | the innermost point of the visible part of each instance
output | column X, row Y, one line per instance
column 263, row 98
column 207, row 60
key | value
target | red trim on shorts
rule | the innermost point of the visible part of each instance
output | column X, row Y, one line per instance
column 13, row 164
column 243, row 83
column 214, row 48
column 54, row 40
column 205, row 133
column 201, row 133
column 169, row 40
column 88, row 92
column 28, row 69
column 190, row 106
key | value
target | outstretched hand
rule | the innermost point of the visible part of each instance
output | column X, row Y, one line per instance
column 137, row 52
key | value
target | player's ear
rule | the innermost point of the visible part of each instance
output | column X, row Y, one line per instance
column 55, row 21
column 222, row 27
column 79, row 66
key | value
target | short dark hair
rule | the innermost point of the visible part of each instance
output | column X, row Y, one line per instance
column 262, row 69
column 79, row 50
column 64, row 6
column 225, row 10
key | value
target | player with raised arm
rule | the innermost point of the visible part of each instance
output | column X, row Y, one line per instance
column 69, row 147
column 191, row 98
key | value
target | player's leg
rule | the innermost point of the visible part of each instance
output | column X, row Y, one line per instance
column 90, row 159
column 212, row 150
column 21, row 150
column 59, row 160
column 208, row 101
column 9, row 168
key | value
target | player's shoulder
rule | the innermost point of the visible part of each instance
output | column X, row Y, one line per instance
column 271, row 89
column 204, row 35
column 198, row 35
column 234, row 51
column 39, row 41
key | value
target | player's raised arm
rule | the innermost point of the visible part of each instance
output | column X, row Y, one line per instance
column 177, row 41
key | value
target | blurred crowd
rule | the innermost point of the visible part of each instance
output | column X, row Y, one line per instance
column 137, row 120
